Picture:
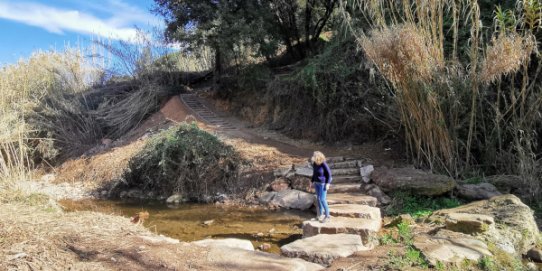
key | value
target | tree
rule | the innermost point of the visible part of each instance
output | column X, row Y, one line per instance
column 259, row 24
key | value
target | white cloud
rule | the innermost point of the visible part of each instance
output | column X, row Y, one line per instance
column 119, row 25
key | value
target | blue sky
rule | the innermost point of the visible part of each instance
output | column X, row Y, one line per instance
column 27, row 26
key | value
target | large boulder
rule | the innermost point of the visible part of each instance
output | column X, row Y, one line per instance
column 477, row 191
column 515, row 229
column 291, row 199
column 412, row 180
column 450, row 247
column 324, row 248
column 375, row 191
column 228, row 242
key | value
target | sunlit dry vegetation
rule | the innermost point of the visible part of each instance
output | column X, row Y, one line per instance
column 468, row 93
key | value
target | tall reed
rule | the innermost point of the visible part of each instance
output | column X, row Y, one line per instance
column 444, row 66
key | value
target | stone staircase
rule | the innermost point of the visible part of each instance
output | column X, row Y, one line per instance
column 193, row 102
column 354, row 216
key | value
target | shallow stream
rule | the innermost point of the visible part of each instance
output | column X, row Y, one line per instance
column 191, row 222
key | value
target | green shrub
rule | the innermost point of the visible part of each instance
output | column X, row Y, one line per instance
column 419, row 206
column 188, row 161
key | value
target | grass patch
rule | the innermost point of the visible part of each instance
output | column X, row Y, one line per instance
column 411, row 258
column 419, row 206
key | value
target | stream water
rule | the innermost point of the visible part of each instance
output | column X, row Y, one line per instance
column 191, row 222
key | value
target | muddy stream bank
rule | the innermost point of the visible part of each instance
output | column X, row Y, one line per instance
column 191, row 222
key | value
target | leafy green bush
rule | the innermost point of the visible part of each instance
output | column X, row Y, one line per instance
column 188, row 161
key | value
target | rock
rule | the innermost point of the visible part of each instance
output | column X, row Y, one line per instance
column 515, row 229
column 174, row 199
column 450, row 247
column 535, row 254
column 477, row 191
column 324, row 248
column 157, row 239
column 355, row 210
column 303, row 171
column 351, row 198
column 531, row 266
column 107, row 142
column 345, row 171
column 301, row 183
column 344, row 188
column 266, row 197
column 293, row 199
column 281, row 172
column 412, row 180
column 375, row 191
column 208, row 222
column 228, row 242
column 345, row 164
column 366, row 228
column 366, row 172
column 264, row 247
column 404, row 218
column 221, row 258
column 469, row 223
column 132, row 194
column 279, row 184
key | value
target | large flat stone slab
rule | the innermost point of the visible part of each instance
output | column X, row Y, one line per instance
column 344, row 188
column 227, row 242
column 290, row 198
column 450, row 247
column 367, row 229
column 345, row 171
column 355, row 211
column 221, row 258
column 347, row 179
column 324, row 248
column 412, row 180
column 351, row 198
column 345, row 164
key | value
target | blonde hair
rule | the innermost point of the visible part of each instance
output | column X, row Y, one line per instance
column 318, row 158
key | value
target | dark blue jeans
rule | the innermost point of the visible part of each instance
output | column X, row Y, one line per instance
column 321, row 194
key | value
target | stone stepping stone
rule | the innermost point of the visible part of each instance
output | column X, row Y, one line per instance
column 335, row 159
column 223, row 258
column 324, row 248
column 347, row 179
column 345, row 171
column 355, row 211
column 344, row 188
column 366, row 228
column 351, row 198
column 345, row 164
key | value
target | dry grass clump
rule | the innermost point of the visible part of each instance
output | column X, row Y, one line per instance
column 403, row 53
column 505, row 55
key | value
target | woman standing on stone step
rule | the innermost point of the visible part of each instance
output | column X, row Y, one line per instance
column 321, row 179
